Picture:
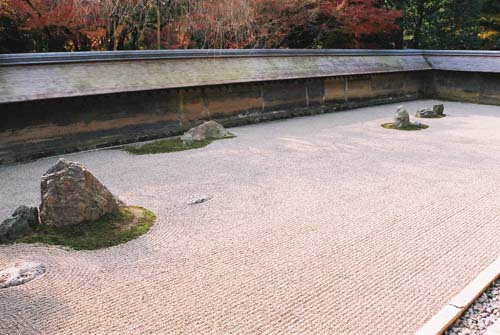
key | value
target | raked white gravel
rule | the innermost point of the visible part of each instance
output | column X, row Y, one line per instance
column 316, row 225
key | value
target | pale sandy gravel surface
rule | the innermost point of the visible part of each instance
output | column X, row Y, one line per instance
column 318, row 225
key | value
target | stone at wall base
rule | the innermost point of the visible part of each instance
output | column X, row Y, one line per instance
column 210, row 129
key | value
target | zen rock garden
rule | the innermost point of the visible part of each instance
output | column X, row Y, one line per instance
column 197, row 137
column 294, row 208
column 402, row 118
column 70, row 195
column 76, row 211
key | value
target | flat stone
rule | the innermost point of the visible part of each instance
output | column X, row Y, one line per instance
column 196, row 200
column 20, row 273
column 210, row 129
column 425, row 113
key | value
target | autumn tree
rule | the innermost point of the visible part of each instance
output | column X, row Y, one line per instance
column 325, row 23
column 52, row 24
column 367, row 22
column 219, row 23
column 490, row 24
column 73, row 25
column 13, row 38
column 440, row 24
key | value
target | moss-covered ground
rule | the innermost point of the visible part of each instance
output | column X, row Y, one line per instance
column 126, row 224
column 434, row 116
column 409, row 128
column 169, row 145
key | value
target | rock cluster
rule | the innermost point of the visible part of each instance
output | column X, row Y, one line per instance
column 207, row 130
column 72, row 195
column 437, row 110
column 20, row 273
column 19, row 224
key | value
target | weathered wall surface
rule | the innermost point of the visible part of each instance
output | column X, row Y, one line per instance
column 24, row 78
column 46, row 127
column 478, row 87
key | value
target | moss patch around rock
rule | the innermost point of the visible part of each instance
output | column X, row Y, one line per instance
column 434, row 116
column 410, row 127
column 169, row 145
column 126, row 224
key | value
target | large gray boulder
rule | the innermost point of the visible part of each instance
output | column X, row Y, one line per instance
column 19, row 224
column 72, row 195
column 210, row 129
column 402, row 118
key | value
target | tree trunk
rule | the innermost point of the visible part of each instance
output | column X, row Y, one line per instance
column 158, row 24
column 135, row 39
column 111, row 35
column 418, row 25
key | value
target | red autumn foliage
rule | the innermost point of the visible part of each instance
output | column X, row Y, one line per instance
column 363, row 17
column 38, row 14
column 118, row 24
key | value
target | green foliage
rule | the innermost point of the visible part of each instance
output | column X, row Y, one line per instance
column 490, row 23
column 126, row 224
column 491, row 7
column 13, row 39
column 442, row 24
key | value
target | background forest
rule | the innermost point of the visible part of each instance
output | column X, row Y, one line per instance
column 80, row 25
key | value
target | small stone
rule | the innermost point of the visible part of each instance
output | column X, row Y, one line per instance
column 210, row 129
column 20, row 273
column 402, row 118
column 424, row 113
column 438, row 109
column 19, row 223
column 199, row 199
column 72, row 195
column 187, row 139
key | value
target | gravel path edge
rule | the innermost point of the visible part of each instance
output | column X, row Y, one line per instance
column 452, row 311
